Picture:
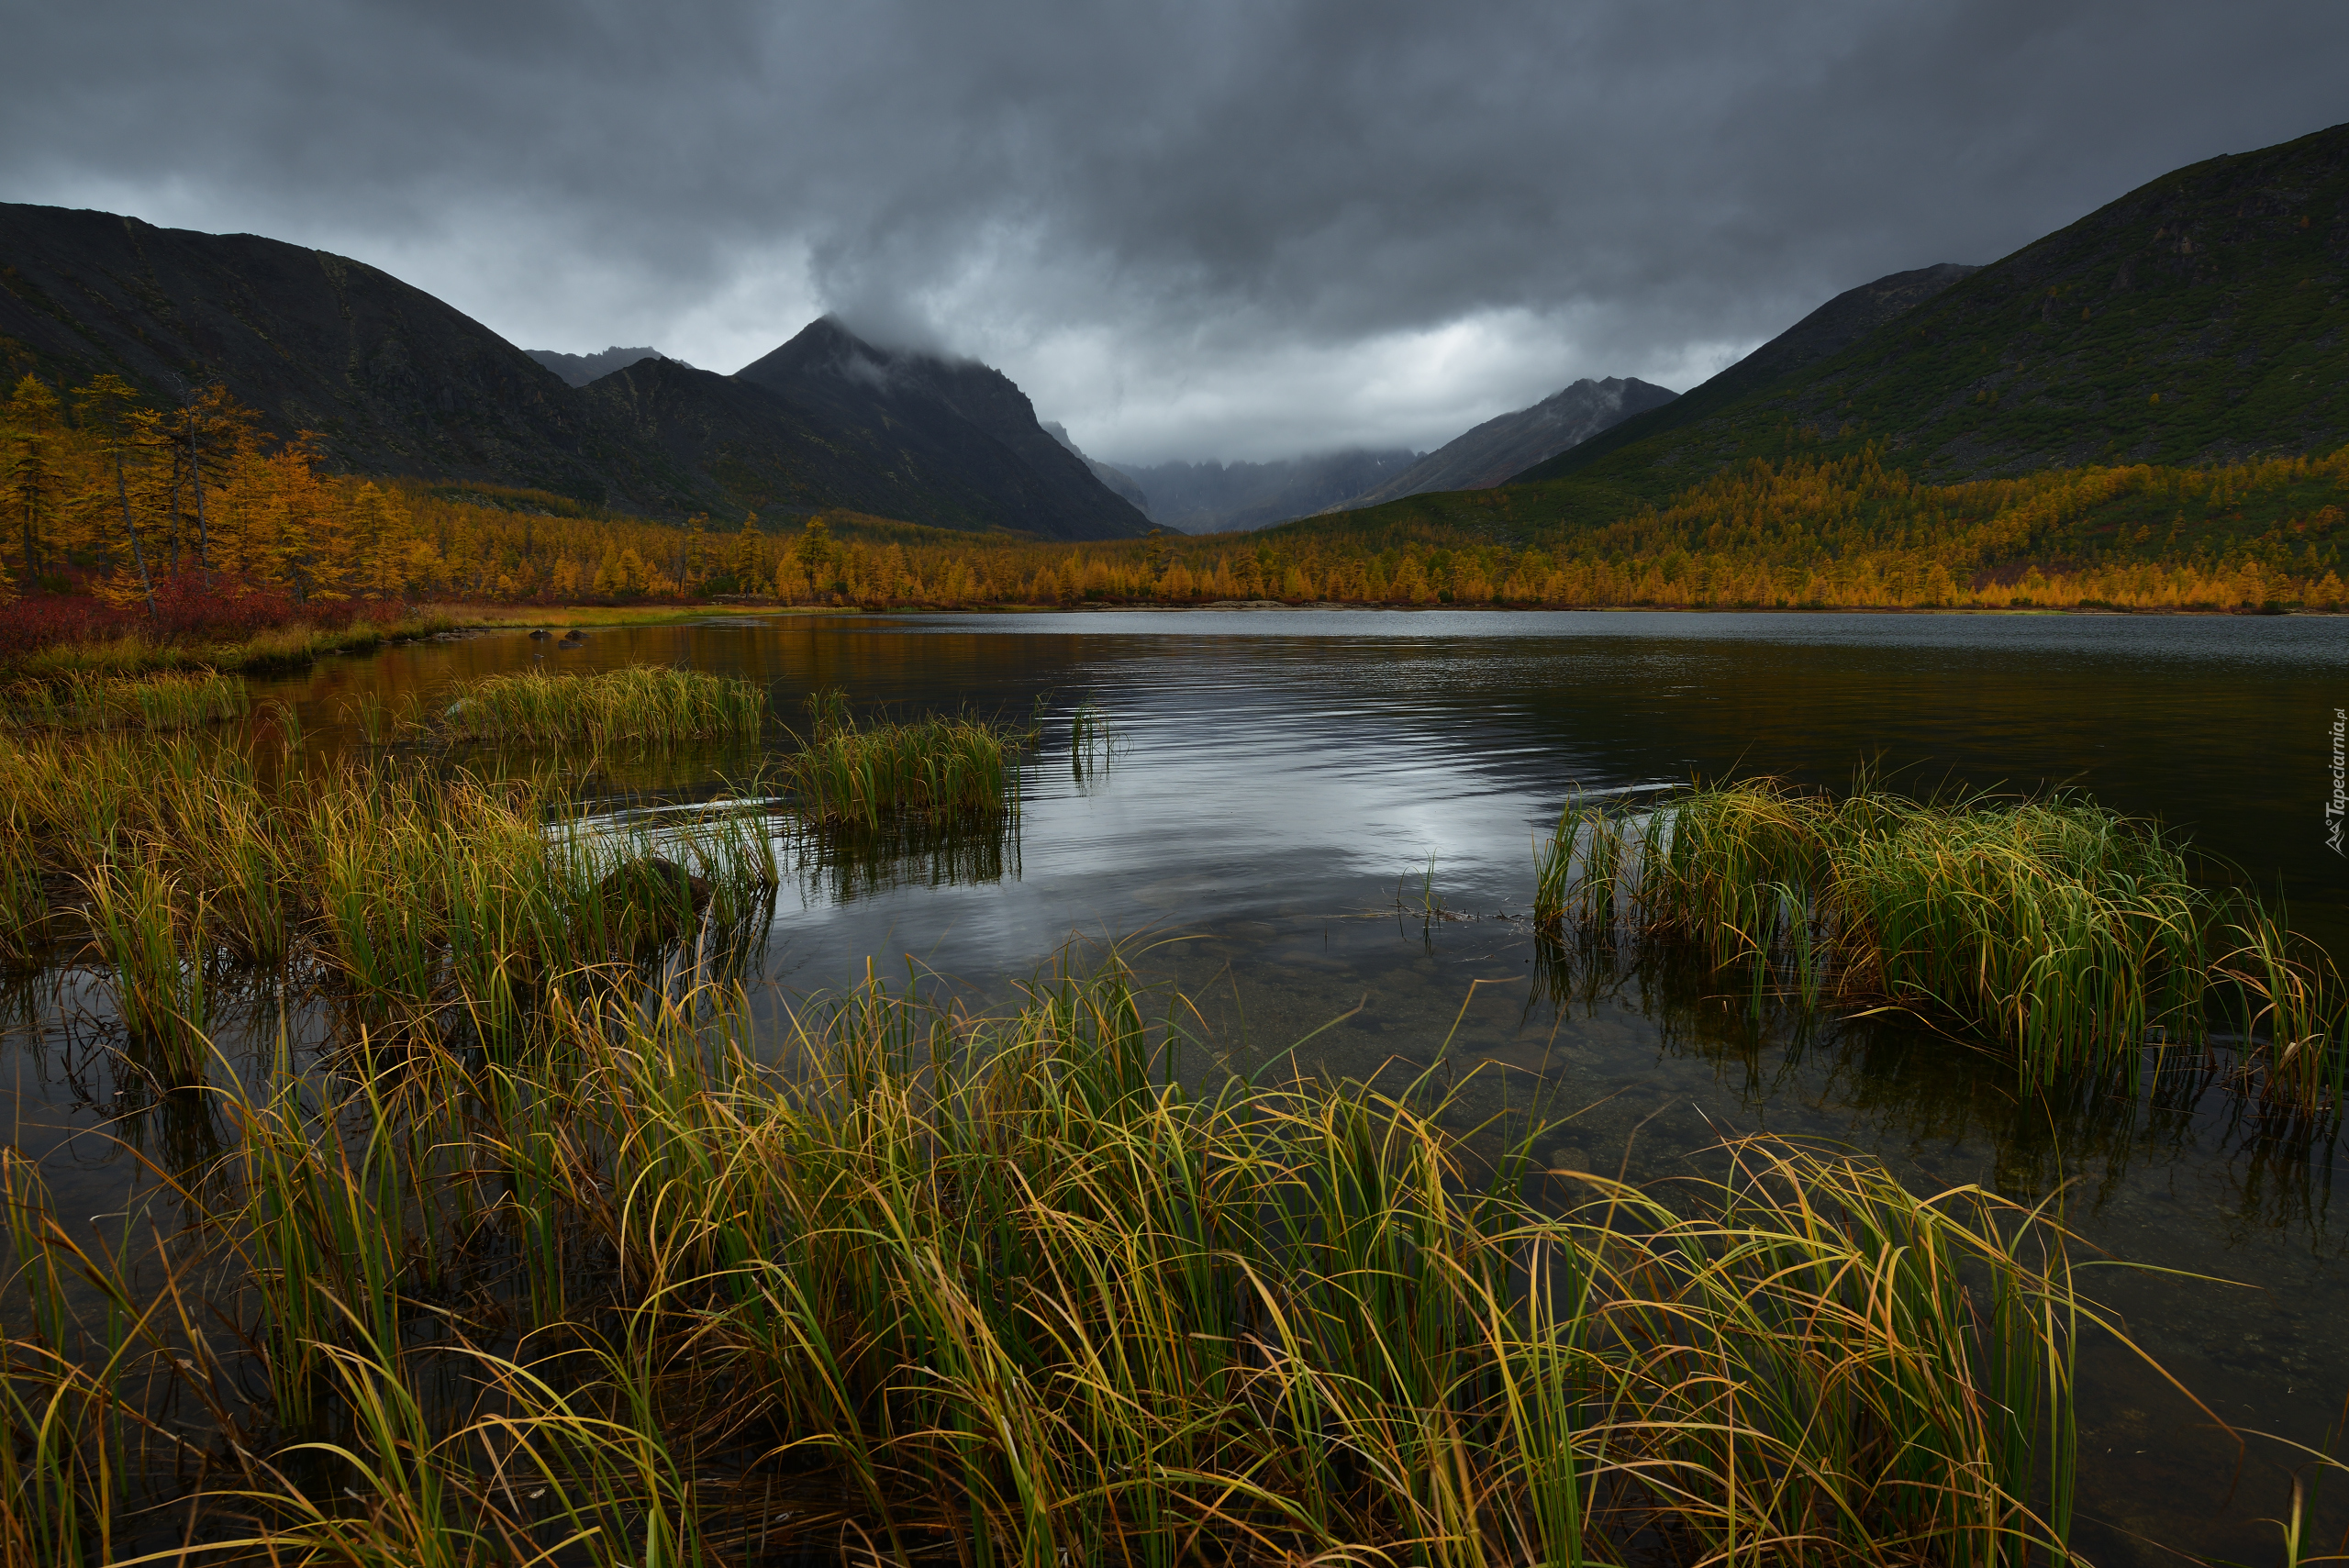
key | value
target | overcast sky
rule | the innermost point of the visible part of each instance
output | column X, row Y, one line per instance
column 1201, row 229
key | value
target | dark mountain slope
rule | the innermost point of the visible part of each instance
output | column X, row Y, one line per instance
column 392, row 379
column 959, row 435
column 2201, row 318
column 771, row 454
column 1501, row 447
column 1830, row 330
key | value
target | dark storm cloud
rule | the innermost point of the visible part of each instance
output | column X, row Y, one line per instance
column 1201, row 229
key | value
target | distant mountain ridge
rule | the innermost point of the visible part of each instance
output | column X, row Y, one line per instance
column 1120, row 482
column 1220, row 498
column 392, row 380
column 581, row 369
column 1500, row 448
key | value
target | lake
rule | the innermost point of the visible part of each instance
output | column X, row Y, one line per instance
column 1309, row 816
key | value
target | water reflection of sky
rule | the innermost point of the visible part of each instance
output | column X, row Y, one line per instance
column 1293, row 759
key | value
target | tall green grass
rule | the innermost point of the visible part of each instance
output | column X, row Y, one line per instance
column 640, row 703
column 936, row 769
column 151, row 932
column 166, row 701
column 1578, row 870
column 894, row 1280
column 415, row 896
column 24, row 898
column 2069, row 935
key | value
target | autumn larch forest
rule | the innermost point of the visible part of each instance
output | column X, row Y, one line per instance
column 120, row 509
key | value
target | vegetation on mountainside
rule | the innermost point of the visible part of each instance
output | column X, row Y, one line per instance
column 2203, row 317
column 161, row 515
column 1851, row 531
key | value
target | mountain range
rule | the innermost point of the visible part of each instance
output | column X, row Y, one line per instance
column 1119, row 481
column 392, row 380
column 1498, row 449
column 2201, row 318
column 1219, row 498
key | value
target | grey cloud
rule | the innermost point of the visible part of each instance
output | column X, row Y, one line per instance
column 1222, row 198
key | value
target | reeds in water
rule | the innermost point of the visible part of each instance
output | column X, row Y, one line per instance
column 157, row 702
column 638, row 705
column 23, row 899
column 2068, row 934
column 1093, row 745
column 457, row 904
column 420, row 899
column 838, row 864
column 937, row 769
column 2287, row 995
column 1576, row 871
column 904, row 1283
column 150, row 933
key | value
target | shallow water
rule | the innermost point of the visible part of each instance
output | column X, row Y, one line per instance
column 1287, row 794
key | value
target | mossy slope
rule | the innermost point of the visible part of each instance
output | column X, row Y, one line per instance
column 2202, row 318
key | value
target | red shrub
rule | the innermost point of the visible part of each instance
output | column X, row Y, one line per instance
column 39, row 620
column 188, row 609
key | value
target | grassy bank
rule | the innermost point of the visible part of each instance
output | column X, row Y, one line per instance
column 292, row 646
column 2070, row 935
column 494, row 617
column 287, row 647
column 896, row 1282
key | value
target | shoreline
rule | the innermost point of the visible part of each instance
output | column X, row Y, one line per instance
column 297, row 646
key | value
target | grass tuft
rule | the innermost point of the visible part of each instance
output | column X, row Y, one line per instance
column 641, row 705
column 2068, row 934
column 937, row 769
column 167, row 701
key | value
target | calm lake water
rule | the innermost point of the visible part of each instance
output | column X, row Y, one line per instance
column 1279, row 777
